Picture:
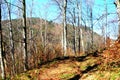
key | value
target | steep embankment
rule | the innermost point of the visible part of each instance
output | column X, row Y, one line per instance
column 109, row 68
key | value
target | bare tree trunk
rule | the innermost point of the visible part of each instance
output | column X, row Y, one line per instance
column 103, row 34
column 30, row 30
column 106, row 11
column 25, row 54
column 41, row 31
column 64, row 29
column 81, row 43
column 45, row 36
column 117, row 3
column 79, row 39
column 91, row 21
column 88, row 24
column 3, row 75
column 63, row 7
column 11, row 39
column 74, row 31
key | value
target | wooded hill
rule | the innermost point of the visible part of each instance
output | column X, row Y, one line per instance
column 38, row 28
column 44, row 41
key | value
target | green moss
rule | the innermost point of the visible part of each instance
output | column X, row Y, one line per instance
column 66, row 76
column 101, row 75
column 27, row 75
column 85, row 64
column 115, row 76
column 84, row 67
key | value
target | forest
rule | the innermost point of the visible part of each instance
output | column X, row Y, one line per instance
column 59, row 39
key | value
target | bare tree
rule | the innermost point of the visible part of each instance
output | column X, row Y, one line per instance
column 3, row 75
column 106, row 21
column 45, row 36
column 90, row 16
column 64, row 28
column 11, row 38
column 62, row 4
column 117, row 3
column 74, row 21
column 81, row 43
column 91, row 21
column 30, row 28
column 25, row 54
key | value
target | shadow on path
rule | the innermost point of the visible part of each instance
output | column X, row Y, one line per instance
column 78, row 76
column 73, row 58
column 80, row 59
column 89, row 68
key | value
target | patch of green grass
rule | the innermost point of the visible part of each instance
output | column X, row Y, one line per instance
column 23, row 76
column 89, row 62
column 30, row 75
column 66, row 76
column 101, row 75
column 48, row 65
column 53, row 62
column 115, row 76
column 83, row 67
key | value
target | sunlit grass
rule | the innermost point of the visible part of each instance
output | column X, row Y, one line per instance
column 66, row 76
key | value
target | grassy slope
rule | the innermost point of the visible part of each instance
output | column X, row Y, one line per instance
column 71, row 68
column 60, row 69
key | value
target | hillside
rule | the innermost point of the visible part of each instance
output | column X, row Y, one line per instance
column 59, row 40
column 94, row 66
column 68, row 68
column 53, row 31
column 43, row 44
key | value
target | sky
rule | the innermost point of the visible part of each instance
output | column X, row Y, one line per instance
column 99, row 8
column 46, row 9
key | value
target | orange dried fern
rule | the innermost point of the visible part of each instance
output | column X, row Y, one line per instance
column 112, row 53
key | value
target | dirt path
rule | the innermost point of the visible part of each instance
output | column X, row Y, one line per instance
column 88, row 67
column 68, row 68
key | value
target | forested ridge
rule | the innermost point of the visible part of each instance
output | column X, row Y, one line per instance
column 36, row 45
column 59, row 40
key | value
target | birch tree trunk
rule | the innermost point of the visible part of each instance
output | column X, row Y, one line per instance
column 64, row 28
column 25, row 54
column 2, row 64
